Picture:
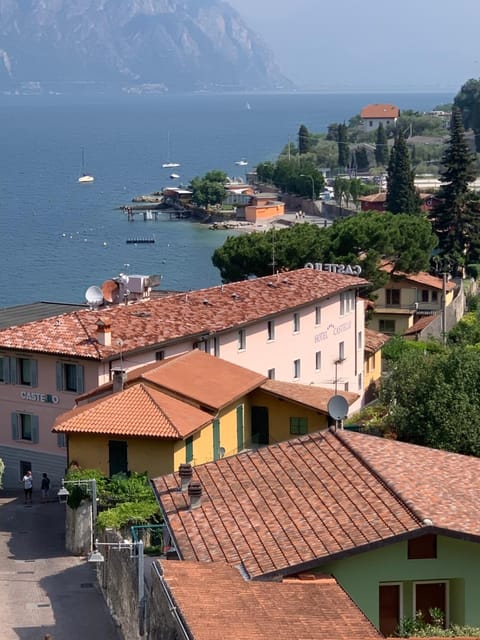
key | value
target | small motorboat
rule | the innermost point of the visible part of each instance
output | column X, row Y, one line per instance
column 241, row 163
column 174, row 176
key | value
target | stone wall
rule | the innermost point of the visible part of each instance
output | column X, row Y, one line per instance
column 164, row 625
column 78, row 529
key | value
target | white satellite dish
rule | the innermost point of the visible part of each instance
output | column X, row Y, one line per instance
column 337, row 407
column 94, row 296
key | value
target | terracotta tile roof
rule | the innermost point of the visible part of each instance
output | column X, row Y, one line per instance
column 420, row 325
column 422, row 277
column 374, row 340
column 158, row 320
column 387, row 111
column 216, row 603
column 201, row 377
column 287, row 505
column 139, row 411
column 374, row 197
column 304, row 394
column 293, row 505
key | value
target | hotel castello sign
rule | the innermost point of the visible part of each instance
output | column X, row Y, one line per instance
column 48, row 398
column 348, row 269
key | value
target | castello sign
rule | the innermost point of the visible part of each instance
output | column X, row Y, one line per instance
column 349, row 269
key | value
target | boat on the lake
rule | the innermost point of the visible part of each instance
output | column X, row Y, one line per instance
column 141, row 240
column 169, row 164
column 241, row 163
column 84, row 175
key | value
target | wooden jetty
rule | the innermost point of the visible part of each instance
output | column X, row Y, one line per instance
column 140, row 240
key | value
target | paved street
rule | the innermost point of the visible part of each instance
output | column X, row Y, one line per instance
column 42, row 588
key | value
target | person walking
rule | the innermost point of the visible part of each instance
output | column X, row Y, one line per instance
column 27, row 482
column 45, row 487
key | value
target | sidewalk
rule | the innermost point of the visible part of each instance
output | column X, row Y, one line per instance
column 43, row 589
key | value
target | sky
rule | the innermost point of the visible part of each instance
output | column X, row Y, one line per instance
column 413, row 45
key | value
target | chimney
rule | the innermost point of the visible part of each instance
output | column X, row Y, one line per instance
column 195, row 494
column 104, row 332
column 185, row 472
column 119, row 377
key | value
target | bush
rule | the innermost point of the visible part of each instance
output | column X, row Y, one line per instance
column 128, row 514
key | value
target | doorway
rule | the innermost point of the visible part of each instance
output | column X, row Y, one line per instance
column 431, row 595
column 260, row 426
column 117, row 457
column 389, row 608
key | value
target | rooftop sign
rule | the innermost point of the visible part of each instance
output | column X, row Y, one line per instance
column 349, row 269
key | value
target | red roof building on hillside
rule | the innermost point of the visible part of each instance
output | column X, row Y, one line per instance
column 374, row 114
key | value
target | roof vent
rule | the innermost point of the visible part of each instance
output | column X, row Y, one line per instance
column 195, row 494
column 235, row 295
column 205, row 302
column 271, row 284
column 185, row 472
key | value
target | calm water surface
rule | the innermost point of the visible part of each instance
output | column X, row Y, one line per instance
column 59, row 237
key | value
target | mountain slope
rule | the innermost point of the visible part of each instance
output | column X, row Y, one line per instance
column 177, row 44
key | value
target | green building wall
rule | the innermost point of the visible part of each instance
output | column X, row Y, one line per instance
column 457, row 562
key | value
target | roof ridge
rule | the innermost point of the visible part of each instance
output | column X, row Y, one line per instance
column 389, row 486
column 146, row 390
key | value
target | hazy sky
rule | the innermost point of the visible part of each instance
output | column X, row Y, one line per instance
column 349, row 44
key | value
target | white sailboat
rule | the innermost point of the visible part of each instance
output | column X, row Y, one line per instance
column 169, row 164
column 84, row 176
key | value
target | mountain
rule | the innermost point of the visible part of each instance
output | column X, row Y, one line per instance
column 138, row 45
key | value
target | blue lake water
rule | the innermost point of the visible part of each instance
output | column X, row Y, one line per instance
column 58, row 237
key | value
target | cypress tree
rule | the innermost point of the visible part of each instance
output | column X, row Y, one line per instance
column 402, row 196
column 381, row 146
column 303, row 140
column 343, row 148
column 456, row 219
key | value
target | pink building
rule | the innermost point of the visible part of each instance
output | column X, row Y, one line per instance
column 302, row 326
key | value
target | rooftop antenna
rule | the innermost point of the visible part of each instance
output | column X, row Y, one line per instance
column 120, row 345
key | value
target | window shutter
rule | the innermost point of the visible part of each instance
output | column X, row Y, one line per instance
column 34, row 372
column 13, row 370
column 15, row 433
column 80, row 377
column 61, row 440
column 34, row 427
column 59, row 374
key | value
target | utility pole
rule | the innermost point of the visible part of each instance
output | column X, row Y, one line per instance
column 444, row 308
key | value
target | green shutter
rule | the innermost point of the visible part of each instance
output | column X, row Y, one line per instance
column 298, row 426
column 34, row 373
column 61, row 440
column 34, row 429
column 240, row 443
column 13, row 370
column 80, row 378
column 189, row 449
column 216, row 439
column 15, row 433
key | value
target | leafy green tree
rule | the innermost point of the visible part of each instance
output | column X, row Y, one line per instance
column 343, row 148
column 381, row 146
column 361, row 158
column 433, row 399
column 402, row 196
column 456, row 219
column 468, row 101
column 265, row 171
column 303, row 140
column 355, row 190
column 365, row 238
column 209, row 190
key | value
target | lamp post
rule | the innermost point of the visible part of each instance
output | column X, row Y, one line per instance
column 304, row 175
column 97, row 556
column 91, row 483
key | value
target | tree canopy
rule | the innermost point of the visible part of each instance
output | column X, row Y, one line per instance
column 303, row 140
column 209, row 190
column 366, row 238
column 468, row 101
column 381, row 146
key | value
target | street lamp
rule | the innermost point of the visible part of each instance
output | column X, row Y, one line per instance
column 97, row 556
column 304, row 175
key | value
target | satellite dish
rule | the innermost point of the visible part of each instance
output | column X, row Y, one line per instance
column 94, row 296
column 109, row 289
column 337, row 407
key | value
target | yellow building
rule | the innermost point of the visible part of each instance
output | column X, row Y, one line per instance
column 191, row 408
column 372, row 367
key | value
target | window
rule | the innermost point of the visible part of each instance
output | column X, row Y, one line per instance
column 61, row 441
column 4, row 369
column 271, row 330
column 423, row 547
column 347, row 302
column 296, row 322
column 25, row 427
column 242, row 340
column 296, row 369
column 240, row 427
column 298, row 426
column 424, row 295
column 346, row 386
column 341, row 351
column 359, row 381
column 23, row 371
column 434, row 296
column 318, row 360
column 318, row 314
column 159, row 355
column 386, row 326
column 189, row 449
column 70, row 377
column 360, row 340
column 271, row 374
column 392, row 297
